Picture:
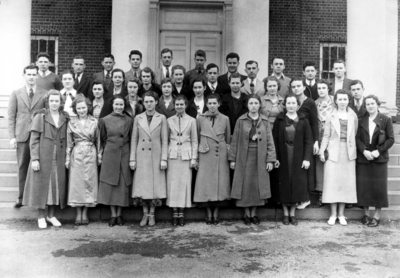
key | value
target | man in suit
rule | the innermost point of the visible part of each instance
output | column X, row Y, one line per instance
column 46, row 79
column 277, row 66
column 135, row 59
column 358, row 101
column 252, row 85
column 166, row 69
column 23, row 103
column 105, row 75
column 198, row 71
column 213, row 87
column 340, row 81
column 82, row 79
column 234, row 103
column 232, row 63
column 310, row 83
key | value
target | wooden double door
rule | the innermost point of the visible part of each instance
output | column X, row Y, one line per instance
column 184, row 45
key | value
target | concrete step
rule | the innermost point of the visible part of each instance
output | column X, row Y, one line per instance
column 8, row 167
column 393, row 184
column 395, row 149
column 3, row 123
column 9, row 180
column 5, row 144
column 4, row 133
column 8, row 194
column 397, row 138
column 8, row 155
column 393, row 171
column 394, row 159
column 394, row 198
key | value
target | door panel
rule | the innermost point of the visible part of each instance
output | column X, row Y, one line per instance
column 179, row 43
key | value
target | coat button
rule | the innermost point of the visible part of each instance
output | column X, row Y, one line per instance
column 149, row 149
column 122, row 136
column 143, row 140
column 149, row 140
column 260, row 139
column 120, row 147
column 143, row 149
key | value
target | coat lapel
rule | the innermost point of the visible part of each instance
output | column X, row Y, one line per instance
column 155, row 121
column 24, row 96
column 247, row 86
column 258, row 86
column 184, row 122
column 335, row 122
column 142, row 121
column 36, row 97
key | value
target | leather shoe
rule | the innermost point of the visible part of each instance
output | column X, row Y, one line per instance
column 120, row 221
column 181, row 221
column 18, row 204
column 285, row 220
column 374, row 222
column 216, row 221
column 112, row 222
column 209, row 220
column 174, row 221
column 255, row 220
column 365, row 220
column 293, row 220
column 247, row 220
column 144, row 220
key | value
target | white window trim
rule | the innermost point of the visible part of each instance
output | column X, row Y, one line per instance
column 49, row 38
column 321, row 60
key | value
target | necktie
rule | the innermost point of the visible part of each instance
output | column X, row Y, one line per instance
column 167, row 73
column 212, row 119
column 358, row 105
column 77, row 79
column 212, row 88
column 30, row 96
column 134, row 74
column 199, row 71
column 71, row 96
column 252, row 86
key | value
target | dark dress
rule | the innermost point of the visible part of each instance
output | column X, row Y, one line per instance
column 115, row 174
column 293, row 145
column 371, row 176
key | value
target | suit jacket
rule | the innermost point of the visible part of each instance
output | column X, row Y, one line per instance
column 360, row 113
column 186, row 91
column 129, row 75
column 219, row 90
column 99, row 76
column 382, row 138
column 183, row 136
column 228, row 108
column 159, row 75
column 110, row 93
column 346, row 86
column 258, row 89
column 84, row 85
column 311, row 91
column 20, row 112
column 154, row 87
column 166, row 111
column 191, row 109
column 331, row 138
column 224, row 81
column 138, row 108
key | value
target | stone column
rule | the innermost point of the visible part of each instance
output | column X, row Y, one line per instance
column 251, row 33
column 372, row 45
column 129, row 31
column 15, row 30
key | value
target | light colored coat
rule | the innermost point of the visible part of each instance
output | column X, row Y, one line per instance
column 213, row 179
column 258, row 88
column 186, row 139
column 20, row 112
column 149, row 146
column 331, row 138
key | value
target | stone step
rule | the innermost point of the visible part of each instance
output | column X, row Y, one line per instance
column 394, row 197
column 8, row 167
column 397, row 138
column 395, row 149
column 394, row 159
column 5, row 144
column 393, row 171
column 3, row 123
column 8, row 194
column 393, row 184
column 4, row 133
column 9, row 180
column 8, row 155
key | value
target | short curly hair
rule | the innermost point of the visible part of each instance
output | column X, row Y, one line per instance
column 374, row 97
column 80, row 99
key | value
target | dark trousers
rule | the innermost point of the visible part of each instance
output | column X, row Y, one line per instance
column 23, row 160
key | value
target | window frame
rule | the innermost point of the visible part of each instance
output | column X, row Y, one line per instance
column 321, row 55
column 47, row 38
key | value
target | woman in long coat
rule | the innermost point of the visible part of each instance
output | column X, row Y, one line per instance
column 149, row 147
column 182, row 157
column 374, row 138
column 83, row 156
column 252, row 153
column 46, row 182
column 293, row 143
column 212, row 188
column 340, row 169
column 115, row 174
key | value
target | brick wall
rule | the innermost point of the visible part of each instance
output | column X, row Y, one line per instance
column 83, row 28
column 297, row 27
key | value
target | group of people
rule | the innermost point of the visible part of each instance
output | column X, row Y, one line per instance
column 196, row 138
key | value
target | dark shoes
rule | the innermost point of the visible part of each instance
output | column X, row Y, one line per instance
column 285, row 220
column 120, row 221
column 373, row 223
column 255, row 220
column 247, row 220
column 85, row 222
column 293, row 220
column 209, row 220
column 112, row 222
column 18, row 204
column 181, row 221
column 365, row 220
column 174, row 221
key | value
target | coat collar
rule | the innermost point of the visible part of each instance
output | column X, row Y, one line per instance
column 49, row 119
column 174, row 121
column 364, row 122
column 336, row 123
column 142, row 121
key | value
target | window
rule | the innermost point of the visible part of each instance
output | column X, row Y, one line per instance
column 47, row 44
column 329, row 52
